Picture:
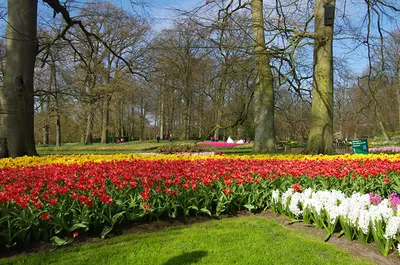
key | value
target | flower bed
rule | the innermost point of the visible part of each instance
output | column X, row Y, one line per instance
column 366, row 217
column 385, row 149
column 221, row 144
column 55, row 197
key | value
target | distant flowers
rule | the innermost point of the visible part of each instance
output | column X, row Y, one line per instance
column 385, row 149
column 222, row 144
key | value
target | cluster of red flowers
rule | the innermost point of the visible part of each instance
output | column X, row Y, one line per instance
column 43, row 185
column 297, row 187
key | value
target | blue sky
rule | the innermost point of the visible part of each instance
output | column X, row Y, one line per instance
column 161, row 10
column 163, row 14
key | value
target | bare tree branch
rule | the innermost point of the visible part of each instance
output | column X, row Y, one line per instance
column 58, row 8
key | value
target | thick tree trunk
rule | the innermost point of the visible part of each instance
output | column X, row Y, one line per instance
column 320, row 140
column 264, row 140
column 17, row 104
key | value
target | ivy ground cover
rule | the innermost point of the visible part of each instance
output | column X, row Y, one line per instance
column 56, row 198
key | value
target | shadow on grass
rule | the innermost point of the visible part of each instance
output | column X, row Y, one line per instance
column 187, row 258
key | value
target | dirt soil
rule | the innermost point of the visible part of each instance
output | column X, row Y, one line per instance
column 355, row 248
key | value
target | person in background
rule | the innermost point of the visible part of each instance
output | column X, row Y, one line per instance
column 158, row 138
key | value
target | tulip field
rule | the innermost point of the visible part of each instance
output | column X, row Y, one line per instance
column 58, row 197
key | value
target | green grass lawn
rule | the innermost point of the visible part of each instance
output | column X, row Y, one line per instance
column 244, row 240
column 97, row 148
column 129, row 148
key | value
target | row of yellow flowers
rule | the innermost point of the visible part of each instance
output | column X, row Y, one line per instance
column 80, row 159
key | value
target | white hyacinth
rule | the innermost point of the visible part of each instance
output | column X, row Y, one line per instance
column 363, row 221
column 356, row 209
column 286, row 196
column 294, row 204
column 392, row 227
column 275, row 195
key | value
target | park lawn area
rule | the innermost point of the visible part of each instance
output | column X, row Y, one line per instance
column 241, row 240
column 111, row 148
column 131, row 147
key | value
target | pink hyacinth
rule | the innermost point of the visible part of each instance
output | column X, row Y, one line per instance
column 385, row 149
column 375, row 198
column 394, row 200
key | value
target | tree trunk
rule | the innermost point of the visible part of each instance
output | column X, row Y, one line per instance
column 264, row 140
column 200, row 116
column 378, row 117
column 46, row 126
column 142, row 119
column 397, row 81
column 56, row 107
column 398, row 102
column 58, row 127
column 89, row 124
column 321, row 129
column 240, row 131
column 106, row 119
column 219, row 101
column 162, row 116
column 90, row 115
column 17, row 104
column 132, row 123
column 46, row 129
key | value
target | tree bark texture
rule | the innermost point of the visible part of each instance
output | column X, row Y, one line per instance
column 264, row 140
column 320, row 140
column 17, row 104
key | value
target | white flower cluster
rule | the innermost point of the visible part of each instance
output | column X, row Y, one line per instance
column 357, row 209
